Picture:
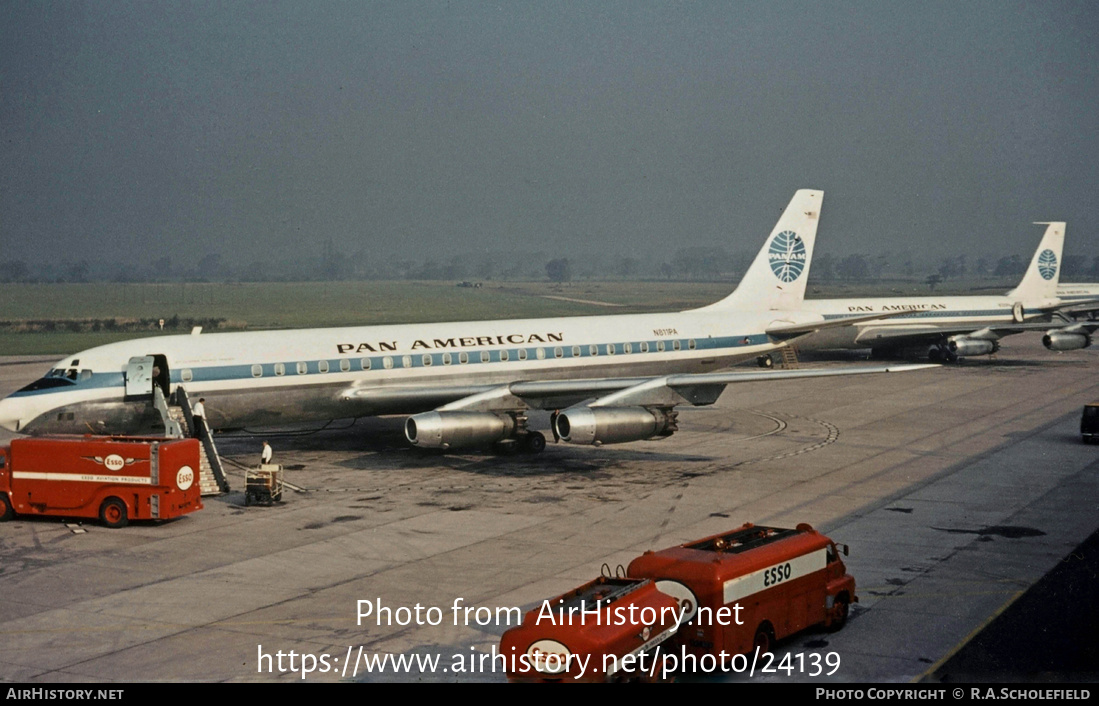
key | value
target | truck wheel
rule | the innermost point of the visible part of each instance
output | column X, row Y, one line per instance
column 112, row 513
column 6, row 513
column 764, row 639
column 841, row 608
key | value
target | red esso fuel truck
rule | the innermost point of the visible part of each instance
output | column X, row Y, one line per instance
column 116, row 479
column 747, row 588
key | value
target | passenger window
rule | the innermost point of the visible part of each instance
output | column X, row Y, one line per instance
column 593, row 350
column 447, row 360
column 691, row 344
column 387, row 362
column 406, row 361
column 504, row 356
column 365, row 363
column 322, row 367
column 660, row 346
column 280, row 369
column 345, row 365
column 576, row 351
column 627, row 348
column 558, row 352
column 540, row 353
column 611, row 349
column 185, row 375
column 257, row 371
column 85, row 374
column 427, row 360
column 463, row 357
column 644, row 346
column 675, row 345
column 485, row 357
column 522, row 354
column 303, row 368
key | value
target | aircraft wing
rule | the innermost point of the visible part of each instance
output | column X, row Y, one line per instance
column 667, row 390
column 872, row 336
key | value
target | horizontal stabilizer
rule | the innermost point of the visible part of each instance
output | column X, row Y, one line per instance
column 781, row 330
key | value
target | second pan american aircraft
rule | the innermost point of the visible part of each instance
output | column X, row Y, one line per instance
column 465, row 384
column 946, row 328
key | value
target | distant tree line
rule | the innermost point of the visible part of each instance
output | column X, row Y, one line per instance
column 174, row 323
column 692, row 264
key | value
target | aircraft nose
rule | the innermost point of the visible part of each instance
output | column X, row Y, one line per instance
column 10, row 414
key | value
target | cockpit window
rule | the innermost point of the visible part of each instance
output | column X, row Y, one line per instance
column 47, row 382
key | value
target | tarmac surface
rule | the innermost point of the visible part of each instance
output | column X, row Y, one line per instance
column 956, row 488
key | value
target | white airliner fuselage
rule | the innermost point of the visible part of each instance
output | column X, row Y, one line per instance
column 478, row 377
column 275, row 377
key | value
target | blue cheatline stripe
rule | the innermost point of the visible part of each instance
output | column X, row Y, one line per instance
column 223, row 373
column 923, row 315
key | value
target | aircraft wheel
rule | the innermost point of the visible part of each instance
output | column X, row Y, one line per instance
column 6, row 513
column 112, row 513
column 535, row 443
column 765, row 361
column 934, row 354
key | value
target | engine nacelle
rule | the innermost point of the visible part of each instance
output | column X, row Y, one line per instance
column 962, row 346
column 454, row 430
column 613, row 425
column 1061, row 341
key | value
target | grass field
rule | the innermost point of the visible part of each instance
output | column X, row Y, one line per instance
column 266, row 305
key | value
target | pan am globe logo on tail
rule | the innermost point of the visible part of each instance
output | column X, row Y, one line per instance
column 1047, row 264
column 787, row 256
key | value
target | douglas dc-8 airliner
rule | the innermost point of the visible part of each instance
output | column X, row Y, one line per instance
column 463, row 384
column 946, row 328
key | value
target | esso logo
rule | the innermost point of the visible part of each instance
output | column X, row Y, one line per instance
column 114, row 462
column 185, row 477
column 549, row 656
column 688, row 603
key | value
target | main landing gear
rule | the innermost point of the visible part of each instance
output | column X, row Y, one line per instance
column 533, row 442
column 941, row 354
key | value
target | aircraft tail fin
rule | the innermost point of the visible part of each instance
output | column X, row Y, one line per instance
column 1043, row 274
column 777, row 276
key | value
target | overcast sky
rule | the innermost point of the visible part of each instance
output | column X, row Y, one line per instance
column 429, row 129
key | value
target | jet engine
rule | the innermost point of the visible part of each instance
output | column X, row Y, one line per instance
column 1061, row 341
column 962, row 346
column 452, row 430
column 613, row 425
